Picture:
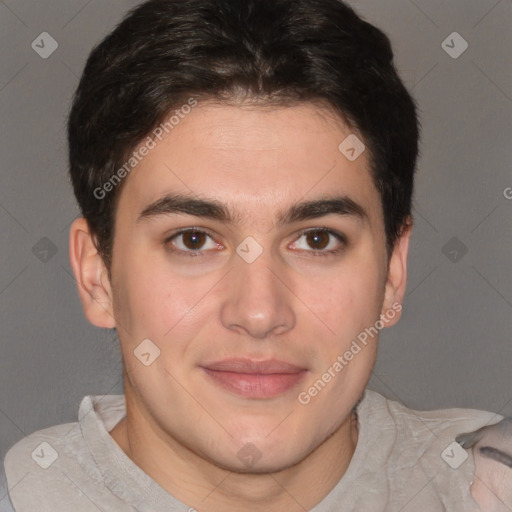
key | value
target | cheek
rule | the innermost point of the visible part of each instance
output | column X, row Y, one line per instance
column 349, row 299
column 147, row 302
column 153, row 301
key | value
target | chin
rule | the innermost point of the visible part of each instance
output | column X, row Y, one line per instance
column 259, row 465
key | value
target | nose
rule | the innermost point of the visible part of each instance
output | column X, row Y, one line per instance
column 257, row 302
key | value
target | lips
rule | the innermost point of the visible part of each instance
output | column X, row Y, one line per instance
column 255, row 379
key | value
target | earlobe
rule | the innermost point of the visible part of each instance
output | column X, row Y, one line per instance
column 91, row 276
column 397, row 276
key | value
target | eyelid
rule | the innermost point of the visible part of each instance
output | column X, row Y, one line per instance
column 336, row 234
column 200, row 252
column 342, row 239
column 180, row 231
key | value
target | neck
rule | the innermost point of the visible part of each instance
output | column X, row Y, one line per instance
column 202, row 484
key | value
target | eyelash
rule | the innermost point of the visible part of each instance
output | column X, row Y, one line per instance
column 321, row 253
column 192, row 254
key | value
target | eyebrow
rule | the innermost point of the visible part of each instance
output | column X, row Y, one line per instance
column 215, row 210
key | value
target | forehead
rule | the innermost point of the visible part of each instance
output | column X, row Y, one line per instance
column 255, row 160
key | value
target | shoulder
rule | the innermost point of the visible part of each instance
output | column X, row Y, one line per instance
column 34, row 465
column 5, row 501
column 423, row 460
column 55, row 466
column 41, row 449
column 425, row 426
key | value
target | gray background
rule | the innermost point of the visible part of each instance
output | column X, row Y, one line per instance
column 452, row 347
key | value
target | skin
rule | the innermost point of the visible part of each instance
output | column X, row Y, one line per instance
column 492, row 450
column 291, row 303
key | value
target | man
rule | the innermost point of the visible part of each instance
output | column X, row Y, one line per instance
column 245, row 173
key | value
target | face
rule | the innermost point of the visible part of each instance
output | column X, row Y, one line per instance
column 251, row 253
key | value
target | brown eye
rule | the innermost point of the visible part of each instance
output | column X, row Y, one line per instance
column 194, row 239
column 320, row 242
column 318, row 239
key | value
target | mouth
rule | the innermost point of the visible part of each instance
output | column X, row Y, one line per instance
column 255, row 379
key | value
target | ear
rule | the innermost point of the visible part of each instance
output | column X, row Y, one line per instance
column 91, row 276
column 396, row 280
